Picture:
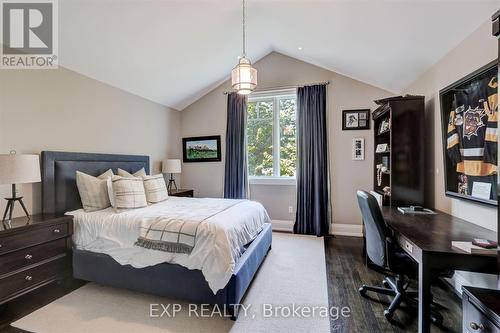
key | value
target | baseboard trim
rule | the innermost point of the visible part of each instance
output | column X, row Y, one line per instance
column 282, row 225
column 355, row 230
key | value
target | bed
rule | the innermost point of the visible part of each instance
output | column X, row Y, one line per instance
column 60, row 195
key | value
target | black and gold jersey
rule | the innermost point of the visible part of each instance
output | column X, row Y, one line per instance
column 472, row 129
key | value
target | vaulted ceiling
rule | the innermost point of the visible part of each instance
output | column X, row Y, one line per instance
column 174, row 51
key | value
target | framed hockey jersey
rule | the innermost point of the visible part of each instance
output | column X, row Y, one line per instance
column 469, row 116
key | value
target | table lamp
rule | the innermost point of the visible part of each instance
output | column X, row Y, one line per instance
column 171, row 166
column 18, row 169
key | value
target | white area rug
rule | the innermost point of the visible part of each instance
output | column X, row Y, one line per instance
column 293, row 273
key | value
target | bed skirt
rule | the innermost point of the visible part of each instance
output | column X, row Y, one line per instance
column 175, row 281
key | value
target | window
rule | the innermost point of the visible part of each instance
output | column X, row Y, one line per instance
column 271, row 131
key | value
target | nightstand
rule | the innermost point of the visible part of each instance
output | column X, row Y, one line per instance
column 181, row 193
column 34, row 253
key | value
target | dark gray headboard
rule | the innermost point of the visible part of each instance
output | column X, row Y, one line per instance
column 59, row 191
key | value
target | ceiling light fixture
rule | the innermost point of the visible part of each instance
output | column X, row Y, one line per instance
column 244, row 76
column 300, row 48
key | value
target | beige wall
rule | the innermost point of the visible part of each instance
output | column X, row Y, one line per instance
column 62, row 110
column 207, row 116
column 277, row 199
column 475, row 51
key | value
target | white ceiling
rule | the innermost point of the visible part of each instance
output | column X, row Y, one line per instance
column 174, row 51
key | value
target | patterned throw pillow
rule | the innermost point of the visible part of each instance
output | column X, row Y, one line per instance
column 128, row 192
column 155, row 187
column 93, row 190
column 138, row 173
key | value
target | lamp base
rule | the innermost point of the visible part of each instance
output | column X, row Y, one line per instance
column 10, row 208
column 171, row 182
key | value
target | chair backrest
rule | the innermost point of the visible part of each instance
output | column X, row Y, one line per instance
column 375, row 228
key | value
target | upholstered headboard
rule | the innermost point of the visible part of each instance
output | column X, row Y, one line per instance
column 59, row 191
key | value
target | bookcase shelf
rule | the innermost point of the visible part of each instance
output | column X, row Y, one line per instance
column 399, row 123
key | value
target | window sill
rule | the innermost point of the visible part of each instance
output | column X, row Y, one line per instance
column 287, row 181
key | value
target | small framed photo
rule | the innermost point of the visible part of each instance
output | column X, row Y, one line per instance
column 201, row 149
column 358, row 149
column 356, row 119
column 382, row 148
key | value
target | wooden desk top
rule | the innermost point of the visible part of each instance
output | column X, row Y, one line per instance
column 434, row 233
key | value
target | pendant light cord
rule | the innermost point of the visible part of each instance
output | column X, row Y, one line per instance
column 244, row 31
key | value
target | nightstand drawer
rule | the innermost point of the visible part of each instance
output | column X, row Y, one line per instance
column 22, row 258
column 24, row 281
column 32, row 237
column 476, row 321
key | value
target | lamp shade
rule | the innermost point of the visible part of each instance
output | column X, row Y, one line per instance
column 19, row 169
column 171, row 166
column 244, row 77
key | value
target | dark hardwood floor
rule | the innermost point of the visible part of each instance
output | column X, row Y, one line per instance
column 28, row 303
column 346, row 272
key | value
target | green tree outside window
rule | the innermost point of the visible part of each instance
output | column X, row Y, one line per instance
column 262, row 123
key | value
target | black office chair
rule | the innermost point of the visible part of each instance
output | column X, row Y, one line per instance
column 387, row 255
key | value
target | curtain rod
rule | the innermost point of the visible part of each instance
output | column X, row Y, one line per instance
column 284, row 87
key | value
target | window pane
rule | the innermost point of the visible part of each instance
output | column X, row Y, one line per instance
column 288, row 147
column 260, row 138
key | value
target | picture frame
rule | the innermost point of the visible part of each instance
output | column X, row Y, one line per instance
column 382, row 148
column 385, row 125
column 458, row 185
column 358, row 149
column 356, row 119
column 201, row 149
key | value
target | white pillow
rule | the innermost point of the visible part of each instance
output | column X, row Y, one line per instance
column 111, row 195
column 138, row 173
column 155, row 187
column 93, row 190
column 128, row 192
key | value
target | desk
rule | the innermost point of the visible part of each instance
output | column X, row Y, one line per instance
column 427, row 239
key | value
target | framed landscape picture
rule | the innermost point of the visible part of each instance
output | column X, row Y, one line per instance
column 201, row 149
column 356, row 119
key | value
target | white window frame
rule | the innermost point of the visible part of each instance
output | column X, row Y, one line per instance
column 275, row 96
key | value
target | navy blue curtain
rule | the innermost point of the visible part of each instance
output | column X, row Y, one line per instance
column 312, row 216
column 235, row 174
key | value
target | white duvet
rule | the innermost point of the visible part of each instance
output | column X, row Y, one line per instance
column 219, row 241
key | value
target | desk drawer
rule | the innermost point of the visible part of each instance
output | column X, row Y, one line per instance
column 406, row 245
column 15, row 260
column 31, row 278
column 32, row 237
column 475, row 321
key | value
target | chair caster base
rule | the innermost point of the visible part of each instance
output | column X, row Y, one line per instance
column 437, row 319
column 388, row 315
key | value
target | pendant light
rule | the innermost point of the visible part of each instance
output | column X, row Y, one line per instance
column 244, row 76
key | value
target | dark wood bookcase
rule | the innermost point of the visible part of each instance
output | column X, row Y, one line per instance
column 403, row 133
